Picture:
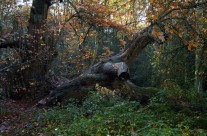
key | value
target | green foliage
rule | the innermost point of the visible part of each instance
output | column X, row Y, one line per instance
column 173, row 62
column 174, row 94
column 141, row 69
column 101, row 115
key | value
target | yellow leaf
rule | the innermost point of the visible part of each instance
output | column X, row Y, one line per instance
column 180, row 35
column 189, row 47
column 122, row 42
column 154, row 17
column 162, row 38
column 194, row 45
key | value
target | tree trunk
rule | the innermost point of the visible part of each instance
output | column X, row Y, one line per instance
column 199, row 69
column 37, row 49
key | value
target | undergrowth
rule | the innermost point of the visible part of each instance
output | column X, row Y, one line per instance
column 102, row 115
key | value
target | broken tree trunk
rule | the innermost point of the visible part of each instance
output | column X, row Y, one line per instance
column 112, row 73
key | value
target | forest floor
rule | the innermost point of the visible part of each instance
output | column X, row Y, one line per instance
column 16, row 115
column 100, row 115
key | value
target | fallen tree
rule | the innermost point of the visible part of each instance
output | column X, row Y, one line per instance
column 112, row 73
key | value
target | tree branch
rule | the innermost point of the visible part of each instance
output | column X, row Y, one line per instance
column 141, row 40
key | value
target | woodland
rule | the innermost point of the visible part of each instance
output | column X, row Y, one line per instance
column 103, row 67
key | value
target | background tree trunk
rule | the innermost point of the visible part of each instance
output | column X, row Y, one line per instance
column 199, row 69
